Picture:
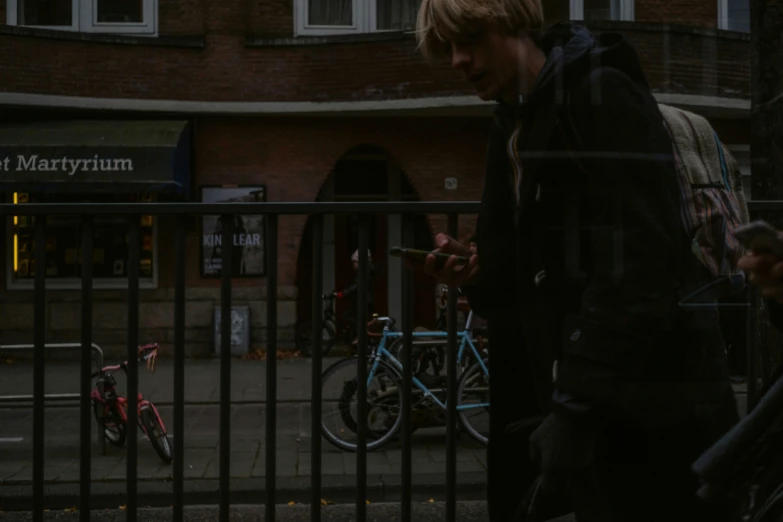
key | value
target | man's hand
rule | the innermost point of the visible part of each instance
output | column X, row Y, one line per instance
column 765, row 271
column 452, row 273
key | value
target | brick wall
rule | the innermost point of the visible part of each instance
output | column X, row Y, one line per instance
column 293, row 158
column 680, row 60
column 700, row 13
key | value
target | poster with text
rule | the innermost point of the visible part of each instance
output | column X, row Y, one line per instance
column 247, row 257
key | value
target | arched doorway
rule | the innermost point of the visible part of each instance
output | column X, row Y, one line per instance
column 367, row 173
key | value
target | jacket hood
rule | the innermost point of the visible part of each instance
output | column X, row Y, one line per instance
column 572, row 51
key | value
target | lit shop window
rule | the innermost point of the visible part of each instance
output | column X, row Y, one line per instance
column 64, row 244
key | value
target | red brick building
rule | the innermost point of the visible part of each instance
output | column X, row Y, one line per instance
column 293, row 100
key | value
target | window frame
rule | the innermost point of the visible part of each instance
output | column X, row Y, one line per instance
column 84, row 13
column 627, row 10
column 75, row 283
column 364, row 18
column 723, row 16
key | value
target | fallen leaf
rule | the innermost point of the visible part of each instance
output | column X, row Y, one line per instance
column 291, row 503
column 367, row 501
column 123, row 507
column 431, row 501
column 70, row 510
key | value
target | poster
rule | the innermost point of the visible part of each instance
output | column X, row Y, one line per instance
column 240, row 330
column 249, row 233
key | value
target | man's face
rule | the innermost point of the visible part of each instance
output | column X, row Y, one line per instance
column 490, row 60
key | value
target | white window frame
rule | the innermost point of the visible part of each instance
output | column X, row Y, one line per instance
column 627, row 10
column 75, row 283
column 723, row 14
column 364, row 20
column 84, row 19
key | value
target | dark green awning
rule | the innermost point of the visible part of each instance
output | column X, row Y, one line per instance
column 76, row 155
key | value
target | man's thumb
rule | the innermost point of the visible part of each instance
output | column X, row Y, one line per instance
column 442, row 241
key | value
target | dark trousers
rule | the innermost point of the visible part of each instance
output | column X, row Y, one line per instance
column 510, row 471
column 645, row 477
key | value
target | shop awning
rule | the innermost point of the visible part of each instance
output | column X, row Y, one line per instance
column 95, row 156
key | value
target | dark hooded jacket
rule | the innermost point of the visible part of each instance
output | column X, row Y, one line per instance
column 595, row 250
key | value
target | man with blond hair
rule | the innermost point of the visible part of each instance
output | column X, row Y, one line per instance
column 615, row 388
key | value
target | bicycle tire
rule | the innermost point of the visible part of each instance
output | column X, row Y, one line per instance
column 373, row 442
column 304, row 338
column 475, row 368
column 119, row 423
column 156, row 435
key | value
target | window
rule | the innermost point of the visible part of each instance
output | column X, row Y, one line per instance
column 734, row 15
column 63, row 246
column 598, row 10
column 93, row 16
column 325, row 17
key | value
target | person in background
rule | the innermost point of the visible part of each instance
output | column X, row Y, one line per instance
column 472, row 245
column 351, row 315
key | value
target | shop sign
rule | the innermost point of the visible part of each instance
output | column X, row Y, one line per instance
column 64, row 164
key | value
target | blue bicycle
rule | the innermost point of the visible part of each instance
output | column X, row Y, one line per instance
column 384, row 388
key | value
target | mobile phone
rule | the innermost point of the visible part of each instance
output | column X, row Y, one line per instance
column 419, row 256
column 761, row 237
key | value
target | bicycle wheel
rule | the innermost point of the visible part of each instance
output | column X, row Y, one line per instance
column 384, row 399
column 474, row 383
column 114, row 429
column 156, row 434
column 304, row 338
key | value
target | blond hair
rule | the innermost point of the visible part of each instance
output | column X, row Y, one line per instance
column 440, row 21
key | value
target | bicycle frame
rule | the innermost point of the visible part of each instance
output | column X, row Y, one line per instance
column 380, row 352
column 120, row 403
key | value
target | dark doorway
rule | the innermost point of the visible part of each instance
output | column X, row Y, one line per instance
column 363, row 175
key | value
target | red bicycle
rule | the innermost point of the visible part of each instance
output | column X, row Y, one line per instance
column 111, row 408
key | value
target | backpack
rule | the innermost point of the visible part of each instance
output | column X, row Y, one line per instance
column 713, row 203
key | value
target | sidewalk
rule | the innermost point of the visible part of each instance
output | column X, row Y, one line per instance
column 382, row 512
column 201, row 442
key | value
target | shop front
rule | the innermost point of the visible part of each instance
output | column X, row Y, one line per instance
column 89, row 163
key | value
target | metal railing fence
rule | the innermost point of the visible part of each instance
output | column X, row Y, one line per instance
column 272, row 211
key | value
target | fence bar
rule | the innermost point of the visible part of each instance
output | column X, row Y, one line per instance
column 271, row 365
column 751, row 348
column 39, row 361
column 227, row 242
column 451, row 404
column 407, row 381
column 273, row 207
column 85, row 380
column 131, row 459
column 361, row 395
column 179, row 372
column 315, row 406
